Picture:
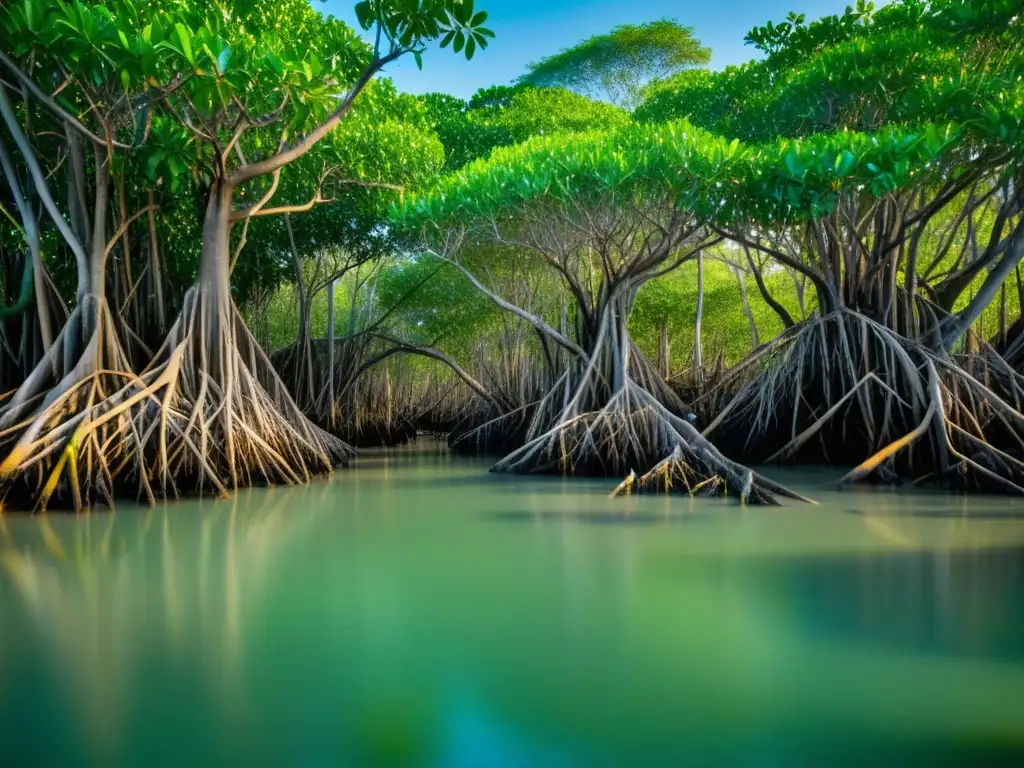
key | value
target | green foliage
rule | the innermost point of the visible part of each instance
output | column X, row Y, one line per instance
column 174, row 83
column 908, row 63
column 210, row 65
column 502, row 116
column 547, row 111
column 787, row 42
column 411, row 24
column 616, row 65
column 672, row 300
column 436, row 304
column 716, row 179
column 463, row 139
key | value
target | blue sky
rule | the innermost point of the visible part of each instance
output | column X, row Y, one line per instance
column 531, row 29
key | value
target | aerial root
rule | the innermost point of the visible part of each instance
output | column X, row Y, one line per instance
column 73, row 439
column 844, row 386
column 634, row 430
column 183, row 425
column 952, row 424
column 225, row 419
column 842, row 378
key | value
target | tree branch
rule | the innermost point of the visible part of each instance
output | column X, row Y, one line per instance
column 53, row 106
column 532, row 319
column 124, row 227
column 300, row 148
column 425, row 351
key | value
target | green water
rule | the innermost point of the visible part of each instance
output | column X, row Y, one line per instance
column 418, row 611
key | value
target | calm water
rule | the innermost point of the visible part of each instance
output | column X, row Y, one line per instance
column 418, row 611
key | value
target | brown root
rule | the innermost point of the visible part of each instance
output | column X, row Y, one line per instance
column 222, row 417
column 844, row 387
column 209, row 414
column 635, row 430
column 67, row 429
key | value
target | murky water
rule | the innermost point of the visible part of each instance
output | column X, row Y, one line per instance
column 418, row 611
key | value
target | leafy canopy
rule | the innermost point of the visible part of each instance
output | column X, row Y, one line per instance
column 716, row 179
column 616, row 65
column 909, row 62
column 410, row 24
column 501, row 116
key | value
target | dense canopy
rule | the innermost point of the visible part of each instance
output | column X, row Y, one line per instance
column 617, row 65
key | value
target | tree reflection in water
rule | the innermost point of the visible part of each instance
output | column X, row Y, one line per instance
column 412, row 617
column 88, row 586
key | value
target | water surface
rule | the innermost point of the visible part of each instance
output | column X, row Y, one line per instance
column 418, row 611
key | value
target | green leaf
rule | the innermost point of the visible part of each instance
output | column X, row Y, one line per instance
column 470, row 47
column 364, row 13
column 154, row 33
column 275, row 63
column 177, row 165
column 185, row 38
column 153, row 162
column 845, row 162
column 418, row 56
column 460, row 41
column 447, row 39
column 793, row 165
column 479, row 19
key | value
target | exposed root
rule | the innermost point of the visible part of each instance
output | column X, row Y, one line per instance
column 221, row 417
column 67, row 428
column 843, row 387
column 200, row 418
column 615, row 415
column 625, row 486
column 634, row 430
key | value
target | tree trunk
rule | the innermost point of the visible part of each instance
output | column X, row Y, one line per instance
column 155, row 274
column 97, row 284
column 962, row 321
column 664, row 352
column 30, row 225
column 332, row 414
column 76, row 186
column 747, row 312
column 698, row 365
column 126, row 255
column 215, row 261
column 303, row 342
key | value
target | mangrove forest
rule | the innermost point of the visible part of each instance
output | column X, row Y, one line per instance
column 234, row 253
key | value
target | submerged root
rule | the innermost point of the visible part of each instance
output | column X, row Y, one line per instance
column 677, row 472
column 844, row 387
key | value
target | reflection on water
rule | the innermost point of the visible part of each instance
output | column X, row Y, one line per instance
column 950, row 603
column 103, row 593
column 418, row 611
